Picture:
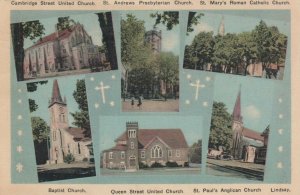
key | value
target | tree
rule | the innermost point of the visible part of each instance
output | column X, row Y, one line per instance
column 220, row 129
column 168, row 69
column 271, row 44
column 195, row 152
column 200, row 51
column 40, row 129
column 65, row 23
column 171, row 19
column 81, row 117
column 31, row 87
column 21, row 31
column 108, row 39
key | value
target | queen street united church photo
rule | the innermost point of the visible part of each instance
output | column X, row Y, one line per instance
column 61, row 129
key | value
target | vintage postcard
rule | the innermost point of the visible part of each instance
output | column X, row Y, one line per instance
column 149, row 97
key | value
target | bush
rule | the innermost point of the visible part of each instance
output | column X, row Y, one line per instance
column 85, row 159
column 186, row 164
column 156, row 165
column 69, row 158
column 172, row 164
column 143, row 165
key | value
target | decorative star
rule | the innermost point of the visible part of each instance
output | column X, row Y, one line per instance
column 96, row 105
column 112, row 103
column 19, row 149
column 20, row 90
column 207, row 78
column 187, row 102
column 102, row 88
column 20, row 117
column 279, row 165
column 188, row 76
column 20, row 132
column 19, row 167
column 280, row 100
column 280, row 148
column 280, row 131
column 197, row 85
column 280, row 116
column 113, row 76
column 205, row 104
column 19, row 101
column 92, row 78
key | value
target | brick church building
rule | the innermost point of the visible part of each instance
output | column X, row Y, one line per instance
column 69, row 49
column 247, row 144
column 64, row 139
column 146, row 146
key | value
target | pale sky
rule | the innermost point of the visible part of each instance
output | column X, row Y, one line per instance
column 237, row 21
column 89, row 21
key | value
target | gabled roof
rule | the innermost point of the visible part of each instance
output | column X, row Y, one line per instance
column 77, row 133
column 174, row 138
column 249, row 133
column 56, row 97
column 53, row 36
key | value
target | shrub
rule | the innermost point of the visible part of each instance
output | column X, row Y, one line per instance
column 186, row 164
column 85, row 159
column 69, row 158
column 143, row 165
column 172, row 164
column 156, row 165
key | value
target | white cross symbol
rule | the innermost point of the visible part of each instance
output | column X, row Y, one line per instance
column 19, row 167
column 102, row 90
column 197, row 85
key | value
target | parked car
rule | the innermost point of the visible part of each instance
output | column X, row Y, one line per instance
column 225, row 157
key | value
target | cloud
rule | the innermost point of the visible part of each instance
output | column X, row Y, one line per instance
column 252, row 112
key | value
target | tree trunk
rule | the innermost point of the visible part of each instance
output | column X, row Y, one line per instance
column 18, row 43
column 106, row 25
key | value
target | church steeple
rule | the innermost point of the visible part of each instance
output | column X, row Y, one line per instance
column 237, row 112
column 56, row 97
column 221, row 31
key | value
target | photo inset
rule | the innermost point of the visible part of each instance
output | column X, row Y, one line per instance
column 60, row 46
column 150, row 67
column 240, row 128
column 141, row 147
column 61, row 129
column 246, row 43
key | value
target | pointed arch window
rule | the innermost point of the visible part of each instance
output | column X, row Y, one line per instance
column 156, row 152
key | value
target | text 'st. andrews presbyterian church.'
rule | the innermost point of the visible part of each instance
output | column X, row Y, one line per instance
column 64, row 139
column 137, row 147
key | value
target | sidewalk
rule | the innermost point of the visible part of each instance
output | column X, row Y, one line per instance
column 170, row 105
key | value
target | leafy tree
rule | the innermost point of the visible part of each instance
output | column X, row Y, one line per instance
column 106, row 25
column 40, row 129
column 21, row 31
column 271, row 44
column 171, row 19
column 65, row 23
column 220, row 129
column 200, row 51
column 168, row 69
column 81, row 117
column 31, row 87
column 195, row 152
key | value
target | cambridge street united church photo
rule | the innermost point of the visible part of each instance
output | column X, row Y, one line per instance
column 62, row 139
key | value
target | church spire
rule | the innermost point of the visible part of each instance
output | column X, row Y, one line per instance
column 221, row 31
column 237, row 112
column 56, row 97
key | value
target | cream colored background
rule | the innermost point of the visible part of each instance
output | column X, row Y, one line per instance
column 6, row 188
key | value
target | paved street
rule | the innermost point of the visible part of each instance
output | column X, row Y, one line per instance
column 235, row 168
column 170, row 105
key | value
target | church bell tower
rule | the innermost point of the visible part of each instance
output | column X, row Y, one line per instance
column 58, row 121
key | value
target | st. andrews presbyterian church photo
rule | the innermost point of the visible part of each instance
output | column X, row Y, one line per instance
column 62, row 139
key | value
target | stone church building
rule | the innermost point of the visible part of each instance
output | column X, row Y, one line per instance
column 69, row 49
column 247, row 144
column 64, row 139
column 137, row 147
